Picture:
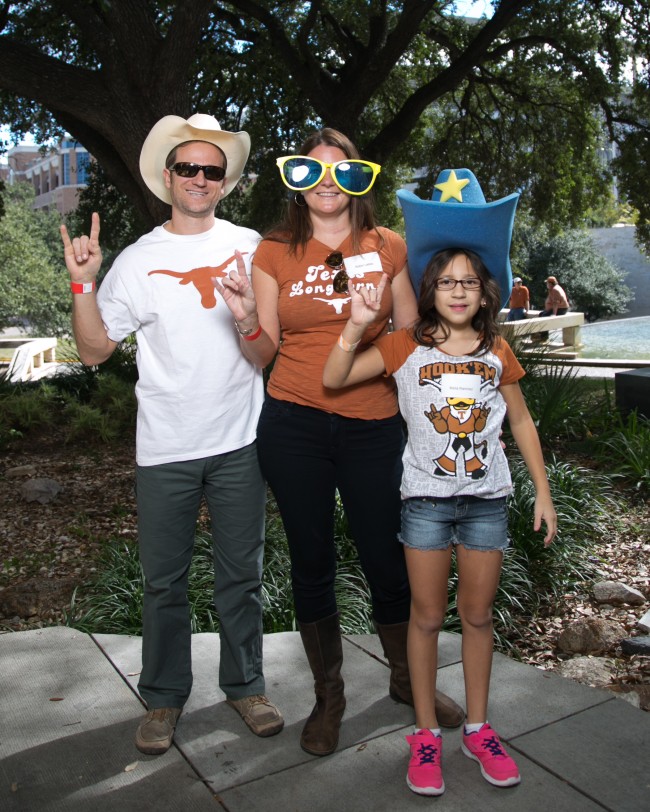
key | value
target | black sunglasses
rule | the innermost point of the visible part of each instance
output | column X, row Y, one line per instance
column 341, row 280
column 188, row 170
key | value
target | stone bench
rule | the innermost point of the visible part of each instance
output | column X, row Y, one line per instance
column 29, row 357
column 534, row 324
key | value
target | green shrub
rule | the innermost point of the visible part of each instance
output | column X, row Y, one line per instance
column 27, row 407
column 112, row 602
column 582, row 499
column 564, row 405
column 110, row 413
column 533, row 573
column 94, row 403
column 626, row 452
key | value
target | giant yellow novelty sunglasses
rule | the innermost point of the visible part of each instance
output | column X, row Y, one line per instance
column 352, row 176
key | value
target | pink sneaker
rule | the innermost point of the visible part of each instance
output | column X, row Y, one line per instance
column 496, row 765
column 424, row 774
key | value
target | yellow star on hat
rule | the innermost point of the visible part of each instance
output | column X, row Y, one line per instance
column 452, row 188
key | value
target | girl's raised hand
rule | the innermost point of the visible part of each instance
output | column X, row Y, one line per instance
column 366, row 302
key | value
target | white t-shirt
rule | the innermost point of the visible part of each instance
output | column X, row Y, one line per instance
column 197, row 393
column 454, row 411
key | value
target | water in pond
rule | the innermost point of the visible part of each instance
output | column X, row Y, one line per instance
column 622, row 338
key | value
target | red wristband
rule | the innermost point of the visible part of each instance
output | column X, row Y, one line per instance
column 82, row 287
column 254, row 335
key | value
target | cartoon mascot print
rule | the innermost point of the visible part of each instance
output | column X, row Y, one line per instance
column 461, row 419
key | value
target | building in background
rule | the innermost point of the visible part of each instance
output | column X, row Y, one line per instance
column 57, row 174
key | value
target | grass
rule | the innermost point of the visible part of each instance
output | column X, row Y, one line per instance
column 625, row 450
column 112, row 602
column 576, row 419
column 583, row 500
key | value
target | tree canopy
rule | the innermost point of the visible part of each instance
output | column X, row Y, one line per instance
column 34, row 285
column 524, row 98
column 593, row 284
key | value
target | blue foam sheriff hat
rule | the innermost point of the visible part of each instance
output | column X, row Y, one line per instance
column 457, row 216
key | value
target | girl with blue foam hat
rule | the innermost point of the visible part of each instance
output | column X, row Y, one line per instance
column 456, row 378
column 458, row 215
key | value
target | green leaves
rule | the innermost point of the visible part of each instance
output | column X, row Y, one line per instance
column 527, row 98
column 34, row 285
column 594, row 286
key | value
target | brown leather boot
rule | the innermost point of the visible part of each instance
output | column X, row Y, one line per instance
column 322, row 643
column 393, row 641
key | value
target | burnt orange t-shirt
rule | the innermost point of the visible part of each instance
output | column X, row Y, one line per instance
column 312, row 316
column 519, row 296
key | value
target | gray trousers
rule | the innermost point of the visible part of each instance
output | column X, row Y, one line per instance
column 169, row 498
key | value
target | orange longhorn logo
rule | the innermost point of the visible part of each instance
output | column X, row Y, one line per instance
column 201, row 278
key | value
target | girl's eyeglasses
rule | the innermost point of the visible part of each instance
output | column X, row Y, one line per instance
column 352, row 176
column 471, row 283
column 188, row 170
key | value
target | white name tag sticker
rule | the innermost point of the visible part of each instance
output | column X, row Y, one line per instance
column 361, row 264
column 453, row 385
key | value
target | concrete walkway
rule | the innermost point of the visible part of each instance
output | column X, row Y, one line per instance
column 68, row 713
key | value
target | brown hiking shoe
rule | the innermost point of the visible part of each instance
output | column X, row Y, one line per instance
column 448, row 712
column 156, row 731
column 259, row 713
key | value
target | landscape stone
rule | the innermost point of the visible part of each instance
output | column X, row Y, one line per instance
column 20, row 470
column 594, row 671
column 590, row 636
column 41, row 489
column 636, row 645
column 644, row 623
column 617, row 593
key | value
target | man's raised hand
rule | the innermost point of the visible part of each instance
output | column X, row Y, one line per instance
column 236, row 291
column 83, row 256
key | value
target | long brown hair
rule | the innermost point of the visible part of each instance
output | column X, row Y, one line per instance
column 484, row 322
column 295, row 227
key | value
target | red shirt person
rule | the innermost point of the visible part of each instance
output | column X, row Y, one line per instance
column 519, row 301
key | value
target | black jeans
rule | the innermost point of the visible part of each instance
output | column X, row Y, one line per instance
column 560, row 312
column 306, row 455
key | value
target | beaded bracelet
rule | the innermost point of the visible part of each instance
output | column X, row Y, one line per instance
column 243, row 333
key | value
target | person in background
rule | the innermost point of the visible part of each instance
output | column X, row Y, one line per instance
column 312, row 441
column 199, row 399
column 519, row 301
column 556, row 303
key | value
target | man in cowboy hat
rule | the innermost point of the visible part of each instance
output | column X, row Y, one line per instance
column 199, row 398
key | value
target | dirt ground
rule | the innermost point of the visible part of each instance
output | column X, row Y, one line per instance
column 49, row 549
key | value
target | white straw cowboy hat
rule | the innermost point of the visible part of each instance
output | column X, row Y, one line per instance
column 171, row 131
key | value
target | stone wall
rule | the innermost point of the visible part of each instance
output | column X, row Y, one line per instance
column 618, row 246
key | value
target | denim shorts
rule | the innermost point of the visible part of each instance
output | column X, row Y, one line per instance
column 435, row 524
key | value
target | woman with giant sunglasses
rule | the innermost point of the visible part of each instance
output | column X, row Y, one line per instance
column 312, row 441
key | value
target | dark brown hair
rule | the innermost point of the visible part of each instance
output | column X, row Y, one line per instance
column 484, row 322
column 171, row 158
column 295, row 227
